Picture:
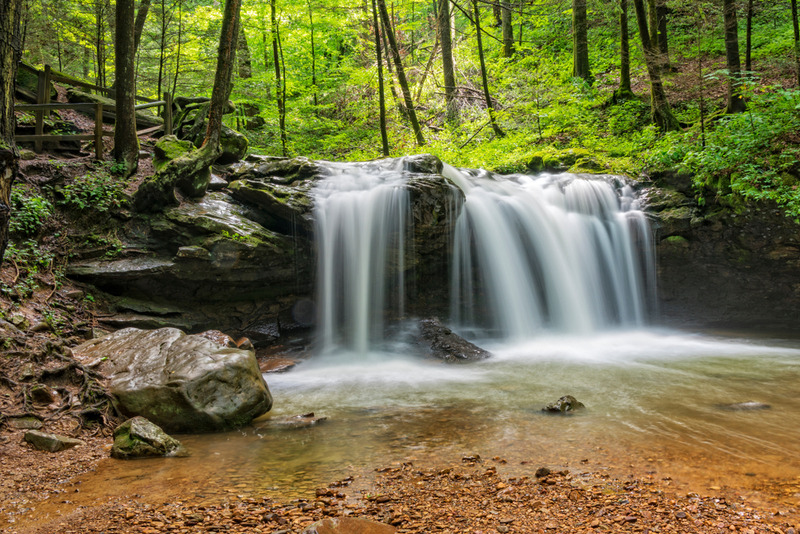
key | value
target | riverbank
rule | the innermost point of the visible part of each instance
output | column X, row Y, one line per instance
column 40, row 493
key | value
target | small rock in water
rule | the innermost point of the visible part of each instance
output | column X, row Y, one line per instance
column 565, row 405
column 297, row 421
column 447, row 345
column 542, row 472
column 748, row 406
column 139, row 438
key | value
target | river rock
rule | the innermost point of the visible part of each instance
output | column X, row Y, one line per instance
column 349, row 525
column 565, row 405
column 182, row 383
column 447, row 345
column 140, row 438
column 50, row 442
column 749, row 406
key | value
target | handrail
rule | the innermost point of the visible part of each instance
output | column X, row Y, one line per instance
column 43, row 107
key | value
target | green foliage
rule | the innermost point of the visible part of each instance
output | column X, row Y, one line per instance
column 30, row 212
column 97, row 191
column 29, row 259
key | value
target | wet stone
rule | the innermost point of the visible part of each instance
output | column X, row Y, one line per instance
column 565, row 405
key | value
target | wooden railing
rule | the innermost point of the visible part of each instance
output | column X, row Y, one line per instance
column 43, row 107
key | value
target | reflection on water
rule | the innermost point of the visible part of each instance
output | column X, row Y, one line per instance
column 653, row 406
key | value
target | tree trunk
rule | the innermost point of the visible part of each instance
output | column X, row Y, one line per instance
column 735, row 101
column 624, row 92
column 508, row 30
column 314, row 53
column 381, row 95
column 126, row 144
column 659, row 105
column 386, row 52
column 748, row 56
column 178, row 49
column 158, row 191
column 652, row 21
column 796, row 26
column 10, row 50
column 401, row 73
column 580, row 44
column 138, row 25
column 243, row 57
column 162, row 52
column 276, row 59
column 484, row 78
column 448, row 68
column 663, row 44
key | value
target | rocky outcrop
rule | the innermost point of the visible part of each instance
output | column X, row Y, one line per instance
column 443, row 343
column 140, row 438
column 242, row 259
column 723, row 265
column 182, row 383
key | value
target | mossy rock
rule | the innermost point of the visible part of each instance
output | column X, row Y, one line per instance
column 169, row 148
column 139, row 438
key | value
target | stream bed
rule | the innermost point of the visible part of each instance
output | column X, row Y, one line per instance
column 658, row 403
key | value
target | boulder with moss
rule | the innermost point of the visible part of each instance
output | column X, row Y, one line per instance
column 182, row 383
column 139, row 438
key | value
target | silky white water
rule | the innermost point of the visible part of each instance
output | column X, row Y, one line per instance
column 554, row 252
column 361, row 225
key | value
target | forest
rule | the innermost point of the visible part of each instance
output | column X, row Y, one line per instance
column 708, row 89
column 234, row 220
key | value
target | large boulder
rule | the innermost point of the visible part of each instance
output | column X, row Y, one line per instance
column 183, row 383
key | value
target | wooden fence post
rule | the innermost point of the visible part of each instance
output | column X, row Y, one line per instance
column 98, row 131
column 167, row 113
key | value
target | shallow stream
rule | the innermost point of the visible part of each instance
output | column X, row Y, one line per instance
column 657, row 405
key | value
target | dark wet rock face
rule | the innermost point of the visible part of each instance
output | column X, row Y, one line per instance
column 181, row 383
column 139, row 438
column 724, row 266
column 448, row 346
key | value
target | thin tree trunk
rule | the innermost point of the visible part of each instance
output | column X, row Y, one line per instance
column 163, row 45
column 580, row 44
column 400, row 105
column 381, row 95
column 126, row 144
column 314, row 53
column 659, row 105
column 401, row 73
column 484, row 78
column 428, row 65
column 624, row 92
column 278, row 80
column 652, row 20
column 10, row 50
column 748, row 63
column 508, row 30
column 100, row 45
column 701, row 79
column 796, row 27
column 448, row 68
column 735, row 101
column 178, row 49
column 663, row 44
column 243, row 56
column 138, row 25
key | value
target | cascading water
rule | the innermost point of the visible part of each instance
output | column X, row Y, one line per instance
column 551, row 252
column 362, row 218
column 528, row 254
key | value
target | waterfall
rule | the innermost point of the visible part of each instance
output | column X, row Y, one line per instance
column 529, row 254
column 362, row 218
column 556, row 252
